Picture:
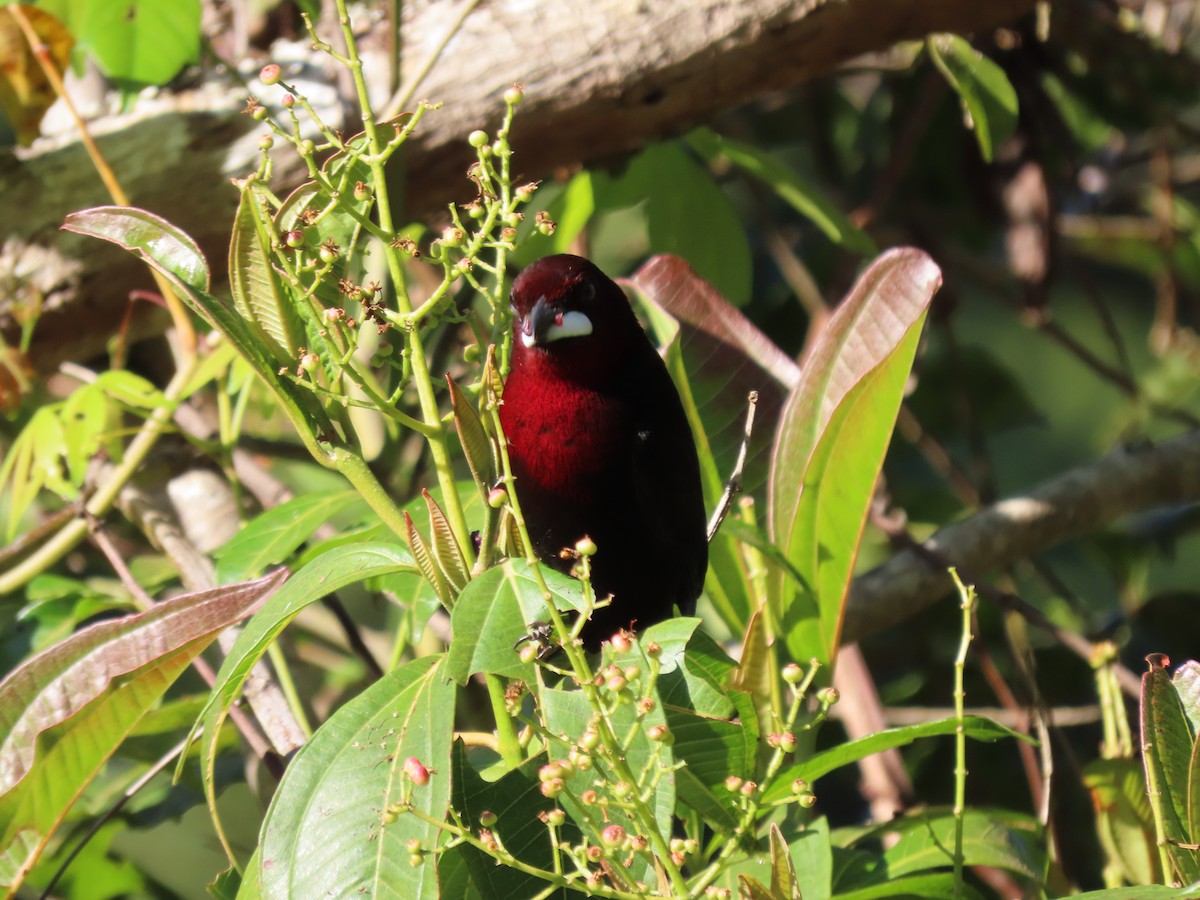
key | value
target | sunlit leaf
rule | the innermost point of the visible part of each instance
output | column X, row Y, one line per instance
column 977, row 728
column 987, row 95
column 64, row 711
column 175, row 255
column 331, row 571
column 495, row 610
column 142, row 41
column 275, row 534
column 144, row 234
column 831, row 441
column 334, row 826
column 1167, row 752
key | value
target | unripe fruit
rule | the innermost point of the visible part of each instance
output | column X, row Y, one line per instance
column 270, row 74
column 477, row 139
column 514, row 95
column 417, row 772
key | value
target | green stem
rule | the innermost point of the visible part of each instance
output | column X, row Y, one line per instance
column 506, row 732
column 960, row 738
column 354, row 469
column 283, row 674
column 438, row 444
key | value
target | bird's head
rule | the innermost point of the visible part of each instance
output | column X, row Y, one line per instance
column 567, row 309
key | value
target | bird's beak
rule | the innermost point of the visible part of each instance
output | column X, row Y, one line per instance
column 545, row 324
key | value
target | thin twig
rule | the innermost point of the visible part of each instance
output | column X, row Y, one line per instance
column 734, row 485
column 1076, row 643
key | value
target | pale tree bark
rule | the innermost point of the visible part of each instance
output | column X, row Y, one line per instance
column 602, row 77
column 1078, row 502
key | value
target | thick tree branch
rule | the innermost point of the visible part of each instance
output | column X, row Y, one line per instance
column 602, row 77
column 1078, row 502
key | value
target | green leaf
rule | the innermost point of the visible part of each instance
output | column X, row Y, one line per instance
column 568, row 713
column 1143, row 892
column 257, row 292
column 979, row 728
column 1186, row 679
column 831, row 441
column 812, row 860
column 142, row 41
column 130, row 389
column 329, row 572
column 84, row 421
column 1167, row 753
column 516, row 800
column 687, row 214
column 803, row 197
column 174, row 254
column 926, row 841
column 988, row 97
column 249, row 887
column 446, row 552
column 274, row 535
column 938, row 886
column 478, row 449
column 1124, row 822
column 333, row 827
column 144, row 234
column 495, row 610
column 65, row 711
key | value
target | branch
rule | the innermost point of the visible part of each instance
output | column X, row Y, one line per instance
column 602, row 78
column 1076, row 503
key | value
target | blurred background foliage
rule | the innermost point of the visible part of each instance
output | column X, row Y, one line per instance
column 1066, row 327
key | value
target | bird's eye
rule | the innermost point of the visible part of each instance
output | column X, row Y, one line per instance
column 586, row 292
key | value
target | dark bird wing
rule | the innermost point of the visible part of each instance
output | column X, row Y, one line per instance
column 666, row 485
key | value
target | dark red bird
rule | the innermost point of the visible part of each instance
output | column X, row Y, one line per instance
column 600, row 446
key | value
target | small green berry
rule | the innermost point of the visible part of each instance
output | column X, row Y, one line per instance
column 514, row 95
column 477, row 139
column 270, row 74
